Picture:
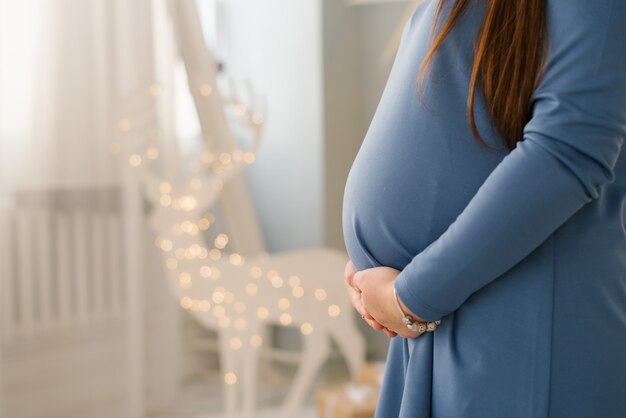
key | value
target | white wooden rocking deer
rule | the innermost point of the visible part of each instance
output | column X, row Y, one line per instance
column 239, row 294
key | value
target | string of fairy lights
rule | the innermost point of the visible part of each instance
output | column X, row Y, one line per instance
column 187, row 257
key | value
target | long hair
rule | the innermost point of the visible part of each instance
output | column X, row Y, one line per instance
column 509, row 54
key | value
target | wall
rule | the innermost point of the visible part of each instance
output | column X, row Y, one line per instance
column 276, row 44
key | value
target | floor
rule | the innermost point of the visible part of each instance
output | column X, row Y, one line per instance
column 201, row 398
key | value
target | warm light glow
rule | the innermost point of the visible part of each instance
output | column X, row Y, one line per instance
column 165, row 200
column 167, row 245
column 206, row 89
column 240, row 324
column 257, row 118
column 135, row 160
column 256, row 341
column 230, row 378
column 283, row 304
column 152, row 153
column 285, row 319
column 235, row 343
column 215, row 254
column 306, row 329
column 320, row 294
column 297, row 292
column 252, row 289
column 204, row 224
column 115, row 148
column 333, row 310
column 219, row 311
column 224, row 322
column 235, row 259
column 240, row 109
column 256, row 272
column 218, row 184
column 165, row 187
column 155, row 89
column 249, row 157
column 205, row 305
column 221, row 241
column 277, row 282
column 294, row 281
column 205, row 272
column 171, row 263
column 188, row 203
column 262, row 312
column 186, row 302
column 218, row 297
column 229, row 297
column 184, row 277
column 225, row 158
column 237, row 155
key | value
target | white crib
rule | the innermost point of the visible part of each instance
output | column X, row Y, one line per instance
column 65, row 309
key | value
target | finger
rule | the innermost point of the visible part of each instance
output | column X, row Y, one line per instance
column 390, row 333
column 374, row 324
column 348, row 273
column 368, row 315
column 357, row 303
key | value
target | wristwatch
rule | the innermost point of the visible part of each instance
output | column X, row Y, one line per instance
column 411, row 323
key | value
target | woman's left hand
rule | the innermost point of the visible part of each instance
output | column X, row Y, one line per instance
column 376, row 286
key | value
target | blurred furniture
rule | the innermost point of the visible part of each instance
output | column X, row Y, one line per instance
column 65, row 309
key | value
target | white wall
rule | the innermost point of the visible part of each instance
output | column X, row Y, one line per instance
column 276, row 44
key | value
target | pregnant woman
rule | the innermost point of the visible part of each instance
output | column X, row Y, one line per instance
column 485, row 212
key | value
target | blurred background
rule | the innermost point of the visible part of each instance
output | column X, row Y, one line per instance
column 171, row 182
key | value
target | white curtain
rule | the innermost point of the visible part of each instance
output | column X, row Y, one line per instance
column 56, row 95
column 64, row 64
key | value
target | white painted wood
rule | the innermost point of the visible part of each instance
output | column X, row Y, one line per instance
column 26, row 262
column 44, row 269
column 114, row 251
column 133, row 275
column 81, row 265
column 98, row 266
column 63, row 268
column 6, row 295
column 7, row 277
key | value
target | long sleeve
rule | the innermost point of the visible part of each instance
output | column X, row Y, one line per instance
column 568, row 153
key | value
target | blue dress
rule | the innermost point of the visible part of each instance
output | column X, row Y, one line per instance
column 522, row 253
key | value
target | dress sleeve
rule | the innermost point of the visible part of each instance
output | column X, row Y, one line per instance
column 568, row 153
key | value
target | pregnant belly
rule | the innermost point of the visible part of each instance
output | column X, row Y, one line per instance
column 391, row 212
column 387, row 219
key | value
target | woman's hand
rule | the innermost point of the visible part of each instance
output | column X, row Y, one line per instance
column 355, row 298
column 377, row 299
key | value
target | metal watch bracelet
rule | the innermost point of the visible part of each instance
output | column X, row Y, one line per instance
column 411, row 323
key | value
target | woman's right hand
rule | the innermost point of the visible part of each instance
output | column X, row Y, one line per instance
column 355, row 298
